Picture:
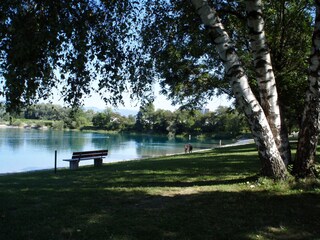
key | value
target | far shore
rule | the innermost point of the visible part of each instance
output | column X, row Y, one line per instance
column 33, row 126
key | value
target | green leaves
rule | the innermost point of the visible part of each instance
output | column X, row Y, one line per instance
column 46, row 44
column 127, row 45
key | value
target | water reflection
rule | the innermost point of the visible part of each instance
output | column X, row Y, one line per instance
column 30, row 149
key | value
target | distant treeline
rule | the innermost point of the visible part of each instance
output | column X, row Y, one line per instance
column 225, row 122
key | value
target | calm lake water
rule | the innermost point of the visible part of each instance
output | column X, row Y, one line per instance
column 31, row 149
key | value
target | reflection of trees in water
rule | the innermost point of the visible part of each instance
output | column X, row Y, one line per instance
column 59, row 140
column 145, row 145
column 156, row 150
column 157, row 145
column 111, row 142
column 50, row 140
column 12, row 138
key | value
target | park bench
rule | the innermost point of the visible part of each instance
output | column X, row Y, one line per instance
column 97, row 156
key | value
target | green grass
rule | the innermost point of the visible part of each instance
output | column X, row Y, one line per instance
column 207, row 195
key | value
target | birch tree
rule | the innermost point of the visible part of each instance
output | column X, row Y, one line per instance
column 309, row 131
column 308, row 135
column 265, row 76
column 272, row 164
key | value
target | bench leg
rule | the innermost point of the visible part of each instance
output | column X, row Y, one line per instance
column 74, row 165
column 98, row 162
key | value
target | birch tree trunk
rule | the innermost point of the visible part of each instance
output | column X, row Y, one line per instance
column 272, row 164
column 309, row 130
column 265, row 77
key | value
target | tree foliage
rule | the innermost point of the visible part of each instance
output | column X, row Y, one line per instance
column 68, row 44
column 125, row 45
column 290, row 52
column 191, row 71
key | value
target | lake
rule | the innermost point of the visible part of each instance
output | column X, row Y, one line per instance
column 31, row 149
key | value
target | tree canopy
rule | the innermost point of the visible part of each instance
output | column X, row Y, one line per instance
column 68, row 44
column 128, row 45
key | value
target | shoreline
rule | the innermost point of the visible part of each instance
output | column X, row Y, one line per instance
column 24, row 126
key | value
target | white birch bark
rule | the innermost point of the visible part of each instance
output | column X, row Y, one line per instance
column 272, row 164
column 310, row 126
column 265, row 76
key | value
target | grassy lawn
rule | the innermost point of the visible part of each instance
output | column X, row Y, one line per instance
column 207, row 195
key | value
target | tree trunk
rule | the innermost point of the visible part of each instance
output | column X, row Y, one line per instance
column 272, row 164
column 265, row 76
column 309, row 131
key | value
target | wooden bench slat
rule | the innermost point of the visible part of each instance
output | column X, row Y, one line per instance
column 88, row 155
column 81, row 159
column 88, row 152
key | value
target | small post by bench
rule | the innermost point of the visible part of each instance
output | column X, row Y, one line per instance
column 97, row 156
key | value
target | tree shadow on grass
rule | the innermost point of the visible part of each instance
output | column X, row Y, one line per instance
column 84, row 212
column 127, row 201
column 198, row 170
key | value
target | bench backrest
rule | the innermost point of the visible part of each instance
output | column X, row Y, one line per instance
column 89, row 154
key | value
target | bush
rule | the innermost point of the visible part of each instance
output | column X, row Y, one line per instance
column 58, row 125
column 17, row 123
